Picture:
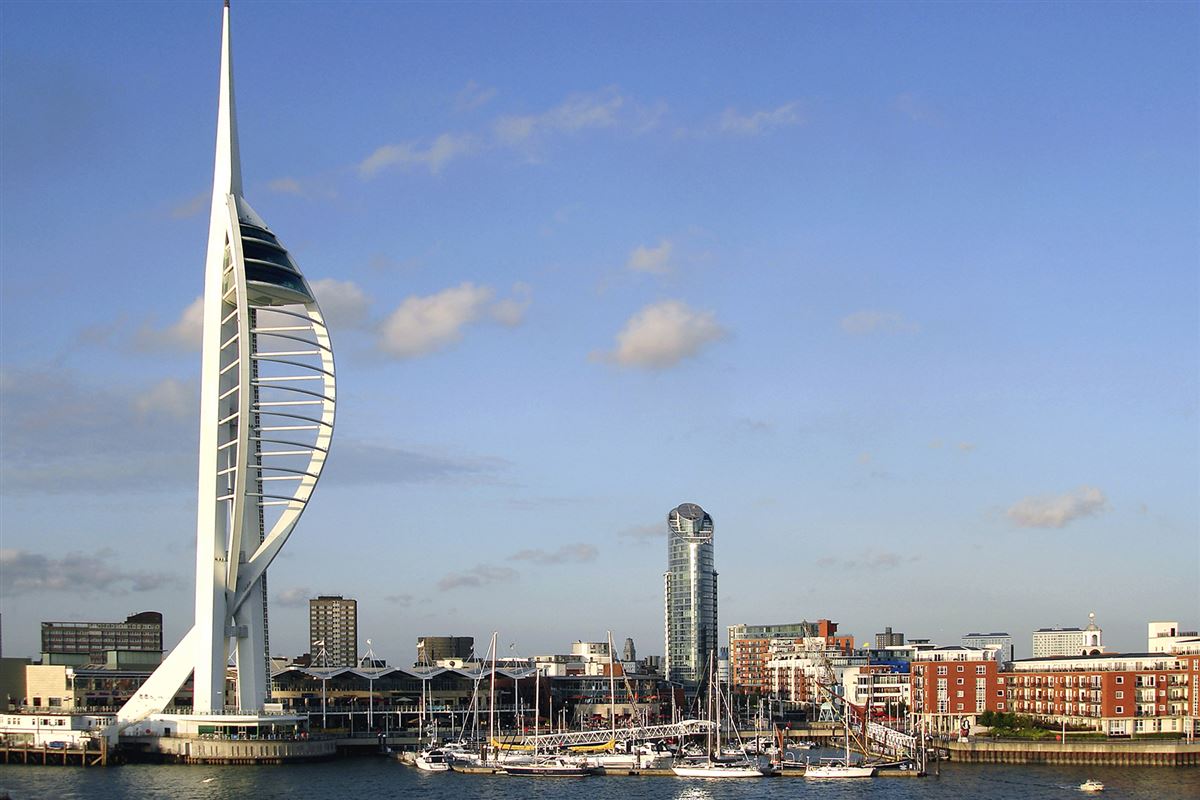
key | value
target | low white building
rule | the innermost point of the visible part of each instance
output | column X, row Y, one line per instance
column 1166, row 637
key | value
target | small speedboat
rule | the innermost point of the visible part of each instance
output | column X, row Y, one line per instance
column 1091, row 785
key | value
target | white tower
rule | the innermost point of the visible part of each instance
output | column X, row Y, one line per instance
column 266, row 419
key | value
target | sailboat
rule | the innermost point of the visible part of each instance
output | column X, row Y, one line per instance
column 718, row 763
column 838, row 767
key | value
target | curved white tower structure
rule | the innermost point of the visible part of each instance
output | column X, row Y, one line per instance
column 266, row 419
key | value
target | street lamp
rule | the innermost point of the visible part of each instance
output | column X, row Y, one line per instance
column 370, row 659
column 323, row 657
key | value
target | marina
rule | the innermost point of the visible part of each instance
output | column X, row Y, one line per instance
column 386, row 778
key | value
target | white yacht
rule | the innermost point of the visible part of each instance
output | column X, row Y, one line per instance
column 432, row 760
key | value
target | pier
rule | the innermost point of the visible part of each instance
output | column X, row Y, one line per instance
column 87, row 754
column 1145, row 753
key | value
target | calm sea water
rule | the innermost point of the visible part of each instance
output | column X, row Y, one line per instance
column 380, row 779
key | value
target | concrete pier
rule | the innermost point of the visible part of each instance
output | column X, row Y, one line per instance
column 1146, row 753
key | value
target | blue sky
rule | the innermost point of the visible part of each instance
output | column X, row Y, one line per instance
column 905, row 295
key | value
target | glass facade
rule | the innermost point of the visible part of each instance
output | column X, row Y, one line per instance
column 690, row 589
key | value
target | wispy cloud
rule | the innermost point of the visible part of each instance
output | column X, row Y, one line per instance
column 422, row 325
column 403, row 599
column 183, row 334
column 914, row 107
column 644, row 532
column 61, row 435
column 194, row 205
column 753, row 123
column 75, row 573
column 655, row 260
column 1060, row 510
column 472, row 96
column 477, row 576
column 567, row 554
column 578, row 112
column 440, row 152
column 359, row 463
column 344, row 303
column 663, row 334
column 286, row 186
column 868, row 560
column 861, row 323
column 295, row 597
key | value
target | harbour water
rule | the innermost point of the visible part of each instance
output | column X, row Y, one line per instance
column 380, row 779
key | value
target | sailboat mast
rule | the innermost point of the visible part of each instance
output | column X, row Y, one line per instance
column 492, row 697
column 612, row 690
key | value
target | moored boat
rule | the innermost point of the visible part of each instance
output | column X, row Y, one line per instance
column 550, row 767
column 432, row 760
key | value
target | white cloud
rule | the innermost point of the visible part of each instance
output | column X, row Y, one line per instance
column 655, row 260
column 440, row 152
column 756, row 122
column 1060, row 510
column 663, row 334
column 343, row 303
column 865, row 322
column 577, row 112
column 422, row 325
column 510, row 311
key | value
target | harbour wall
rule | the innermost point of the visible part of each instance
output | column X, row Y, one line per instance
column 1132, row 754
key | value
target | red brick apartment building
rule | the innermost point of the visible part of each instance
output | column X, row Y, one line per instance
column 1120, row 694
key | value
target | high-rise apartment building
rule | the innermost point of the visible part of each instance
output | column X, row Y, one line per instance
column 333, row 626
column 690, row 595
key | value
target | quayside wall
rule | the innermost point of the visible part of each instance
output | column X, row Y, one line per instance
column 1126, row 753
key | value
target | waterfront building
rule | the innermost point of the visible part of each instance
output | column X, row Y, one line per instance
column 805, row 672
column 267, row 396
column 1002, row 642
column 78, row 643
column 888, row 639
column 1049, row 642
column 1166, row 637
column 333, row 627
column 432, row 649
column 690, row 595
column 952, row 686
column 885, row 687
column 750, row 648
column 1119, row 694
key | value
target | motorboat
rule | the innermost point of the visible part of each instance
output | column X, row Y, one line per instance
column 1091, row 785
column 432, row 760
column 742, row 768
column 550, row 767
column 836, row 768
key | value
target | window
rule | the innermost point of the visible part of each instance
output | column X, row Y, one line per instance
column 1120, row 679
column 1120, row 695
column 981, row 670
column 1120, row 709
column 960, row 681
column 999, row 693
column 958, row 693
column 941, row 671
column 960, row 668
